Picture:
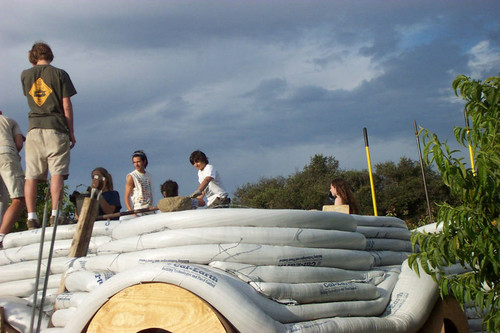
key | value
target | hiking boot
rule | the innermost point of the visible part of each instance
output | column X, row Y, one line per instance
column 60, row 220
column 32, row 224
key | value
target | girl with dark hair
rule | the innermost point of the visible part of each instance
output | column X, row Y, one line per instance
column 109, row 202
column 341, row 194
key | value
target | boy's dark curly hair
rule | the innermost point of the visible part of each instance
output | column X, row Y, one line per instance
column 198, row 156
column 169, row 189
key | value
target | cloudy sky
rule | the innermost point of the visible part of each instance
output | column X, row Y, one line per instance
column 260, row 86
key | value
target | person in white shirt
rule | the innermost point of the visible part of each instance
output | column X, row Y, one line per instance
column 139, row 184
column 210, row 182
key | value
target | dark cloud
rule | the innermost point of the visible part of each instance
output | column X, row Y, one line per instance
column 259, row 85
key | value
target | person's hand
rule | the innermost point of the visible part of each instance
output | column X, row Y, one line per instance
column 195, row 194
column 104, row 183
column 72, row 139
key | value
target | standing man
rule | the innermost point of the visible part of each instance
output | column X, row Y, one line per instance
column 139, row 183
column 50, row 128
column 11, row 172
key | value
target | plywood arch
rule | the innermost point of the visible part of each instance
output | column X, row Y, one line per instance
column 157, row 305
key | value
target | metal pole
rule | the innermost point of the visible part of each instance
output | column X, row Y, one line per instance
column 40, row 255
column 47, row 271
column 370, row 172
column 423, row 173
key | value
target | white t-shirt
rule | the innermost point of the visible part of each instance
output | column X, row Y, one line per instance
column 142, row 195
column 215, row 188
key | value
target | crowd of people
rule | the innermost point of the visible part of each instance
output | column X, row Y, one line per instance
column 50, row 138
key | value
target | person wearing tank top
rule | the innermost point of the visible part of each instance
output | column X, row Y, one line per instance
column 139, row 184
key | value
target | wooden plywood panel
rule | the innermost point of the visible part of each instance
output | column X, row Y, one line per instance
column 157, row 305
column 336, row 208
column 4, row 325
column 446, row 317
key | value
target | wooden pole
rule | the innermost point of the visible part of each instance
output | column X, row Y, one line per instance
column 128, row 212
column 370, row 172
column 84, row 227
column 423, row 173
column 83, row 233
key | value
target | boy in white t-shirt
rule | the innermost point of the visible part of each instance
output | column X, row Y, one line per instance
column 210, row 183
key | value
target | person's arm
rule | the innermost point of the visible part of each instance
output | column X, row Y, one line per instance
column 19, row 141
column 201, row 202
column 204, row 183
column 106, row 207
column 129, row 187
column 68, row 114
column 200, row 191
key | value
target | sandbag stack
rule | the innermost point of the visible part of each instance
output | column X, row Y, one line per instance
column 18, row 267
column 287, row 270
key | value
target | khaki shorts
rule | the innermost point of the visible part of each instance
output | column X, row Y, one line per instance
column 47, row 150
column 12, row 174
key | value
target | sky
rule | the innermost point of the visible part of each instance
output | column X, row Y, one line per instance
column 259, row 86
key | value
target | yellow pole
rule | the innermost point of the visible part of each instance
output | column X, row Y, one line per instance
column 471, row 154
column 370, row 172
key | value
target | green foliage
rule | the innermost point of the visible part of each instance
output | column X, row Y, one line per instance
column 67, row 207
column 267, row 193
column 305, row 189
column 399, row 189
column 471, row 234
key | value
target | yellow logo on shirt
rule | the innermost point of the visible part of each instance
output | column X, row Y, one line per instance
column 40, row 92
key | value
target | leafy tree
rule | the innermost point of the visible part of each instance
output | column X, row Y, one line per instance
column 400, row 191
column 399, row 188
column 67, row 209
column 471, row 235
column 360, row 186
column 305, row 189
column 309, row 189
column 267, row 193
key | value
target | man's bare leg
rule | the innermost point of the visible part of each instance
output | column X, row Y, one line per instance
column 56, row 189
column 11, row 215
column 30, row 191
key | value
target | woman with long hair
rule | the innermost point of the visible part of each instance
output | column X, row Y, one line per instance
column 341, row 194
column 110, row 199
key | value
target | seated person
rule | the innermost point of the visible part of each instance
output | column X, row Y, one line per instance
column 172, row 202
column 210, row 182
column 109, row 202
